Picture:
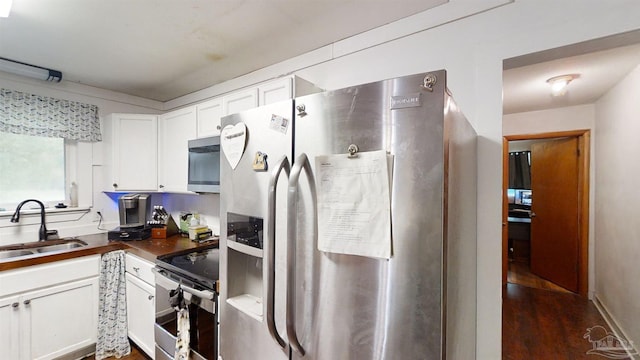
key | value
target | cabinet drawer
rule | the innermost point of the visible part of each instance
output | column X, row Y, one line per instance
column 140, row 268
column 58, row 272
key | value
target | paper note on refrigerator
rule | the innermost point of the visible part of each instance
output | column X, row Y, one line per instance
column 354, row 207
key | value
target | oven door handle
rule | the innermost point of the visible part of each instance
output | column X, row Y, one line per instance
column 167, row 283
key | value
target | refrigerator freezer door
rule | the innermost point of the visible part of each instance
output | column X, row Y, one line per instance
column 244, row 333
column 354, row 307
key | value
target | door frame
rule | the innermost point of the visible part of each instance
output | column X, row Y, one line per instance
column 584, row 144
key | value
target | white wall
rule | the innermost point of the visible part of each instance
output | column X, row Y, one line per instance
column 472, row 50
column 87, row 176
column 580, row 117
column 617, row 214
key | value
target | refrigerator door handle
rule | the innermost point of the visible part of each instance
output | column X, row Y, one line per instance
column 270, row 253
column 302, row 162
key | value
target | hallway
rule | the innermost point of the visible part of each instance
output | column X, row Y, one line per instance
column 541, row 324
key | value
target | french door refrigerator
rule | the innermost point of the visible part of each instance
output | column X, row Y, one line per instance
column 318, row 263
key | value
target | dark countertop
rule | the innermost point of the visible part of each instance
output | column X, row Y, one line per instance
column 148, row 249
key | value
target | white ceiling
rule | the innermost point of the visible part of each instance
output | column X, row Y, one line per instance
column 525, row 88
column 163, row 49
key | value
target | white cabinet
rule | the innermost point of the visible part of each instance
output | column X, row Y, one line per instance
column 74, row 305
column 175, row 129
column 240, row 101
column 209, row 114
column 133, row 139
column 283, row 89
column 150, row 153
column 49, row 310
column 140, row 303
column 9, row 327
column 275, row 91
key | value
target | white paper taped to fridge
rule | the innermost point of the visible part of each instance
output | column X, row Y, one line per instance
column 354, row 207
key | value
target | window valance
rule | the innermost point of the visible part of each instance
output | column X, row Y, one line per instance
column 28, row 114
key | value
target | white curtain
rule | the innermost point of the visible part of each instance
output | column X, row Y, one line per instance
column 28, row 114
column 112, row 315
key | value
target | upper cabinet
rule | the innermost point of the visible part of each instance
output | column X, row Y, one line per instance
column 175, row 129
column 211, row 111
column 275, row 91
column 240, row 101
column 133, row 140
column 150, row 153
column 208, row 116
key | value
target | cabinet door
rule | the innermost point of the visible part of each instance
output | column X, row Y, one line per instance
column 209, row 114
column 9, row 327
column 240, row 101
column 275, row 91
column 175, row 130
column 141, row 313
column 59, row 319
column 134, row 152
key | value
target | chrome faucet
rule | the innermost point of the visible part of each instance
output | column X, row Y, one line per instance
column 42, row 233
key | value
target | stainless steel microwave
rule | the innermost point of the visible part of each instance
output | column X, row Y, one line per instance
column 204, row 165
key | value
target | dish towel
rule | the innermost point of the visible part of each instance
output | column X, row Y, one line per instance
column 182, row 338
column 112, row 309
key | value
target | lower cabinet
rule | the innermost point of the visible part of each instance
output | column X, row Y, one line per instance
column 9, row 327
column 141, row 303
column 59, row 318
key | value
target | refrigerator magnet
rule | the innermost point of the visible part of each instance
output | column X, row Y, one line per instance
column 260, row 162
column 278, row 123
column 233, row 139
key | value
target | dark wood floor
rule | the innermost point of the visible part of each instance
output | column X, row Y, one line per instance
column 136, row 354
column 544, row 324
column 520, row 273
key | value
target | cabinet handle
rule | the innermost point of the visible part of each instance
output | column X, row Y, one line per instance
column 27, row 302
column 218, row 127
column 15, row 305
column 136, row 269
column 150, row 297
column 161, row 186
column 114, row 185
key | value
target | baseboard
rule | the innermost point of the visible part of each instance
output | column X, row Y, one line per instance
column 613, row 325
column 79, row 354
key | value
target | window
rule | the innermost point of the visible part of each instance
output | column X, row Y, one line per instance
column 31, row 167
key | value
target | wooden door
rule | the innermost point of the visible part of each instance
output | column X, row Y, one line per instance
column 555, row 211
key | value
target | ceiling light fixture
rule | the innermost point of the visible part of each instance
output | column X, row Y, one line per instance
column 5, row 8
column 559, row 83
column 32, row 71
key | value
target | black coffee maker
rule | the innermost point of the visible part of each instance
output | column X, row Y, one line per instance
column 134, row 210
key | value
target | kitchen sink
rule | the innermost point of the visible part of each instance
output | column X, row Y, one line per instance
column 66, row 246
column 5, row 254
column 39, row 248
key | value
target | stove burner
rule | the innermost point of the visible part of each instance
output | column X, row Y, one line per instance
column 190, row 258
column 200, row 266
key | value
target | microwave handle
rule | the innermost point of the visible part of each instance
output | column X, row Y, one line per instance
column 270, row 252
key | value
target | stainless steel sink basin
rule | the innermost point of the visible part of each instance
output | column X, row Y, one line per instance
column 66, row 246
column 39, row 248
column 5, row 254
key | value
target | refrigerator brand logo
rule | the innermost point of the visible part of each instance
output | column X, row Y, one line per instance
column 405, row 101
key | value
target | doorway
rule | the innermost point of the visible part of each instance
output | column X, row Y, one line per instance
column 555, row 249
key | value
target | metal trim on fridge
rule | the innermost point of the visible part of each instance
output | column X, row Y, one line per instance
column 302, row 162
column 270, row 252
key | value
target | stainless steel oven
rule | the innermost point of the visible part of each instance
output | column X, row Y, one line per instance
column 196, row 273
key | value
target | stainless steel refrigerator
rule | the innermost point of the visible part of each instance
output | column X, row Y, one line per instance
column 284, row 298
